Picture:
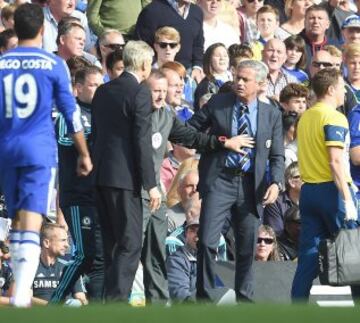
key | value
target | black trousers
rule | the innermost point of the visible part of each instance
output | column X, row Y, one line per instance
column 83, row 226
column 153, row 256
column 235, row 194
column 120, row 216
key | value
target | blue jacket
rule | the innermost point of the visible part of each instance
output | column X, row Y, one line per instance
column 181, row 271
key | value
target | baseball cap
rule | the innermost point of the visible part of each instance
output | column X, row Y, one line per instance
column 351, row 21
column 192, row 222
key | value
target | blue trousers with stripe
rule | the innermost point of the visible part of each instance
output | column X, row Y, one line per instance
column 82, row 222
column 322, row 215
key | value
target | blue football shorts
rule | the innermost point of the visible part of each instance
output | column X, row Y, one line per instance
column 28, row 188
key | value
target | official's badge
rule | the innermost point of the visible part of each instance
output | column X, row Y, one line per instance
column 268, row 143
column 156, row 140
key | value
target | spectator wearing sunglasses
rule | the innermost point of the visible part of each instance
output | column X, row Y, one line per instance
column 274, row 213
column 188, row 20
column 266, row 246
column 109, row 41
column 323, row 59
column 288, row 242
column 167, row 45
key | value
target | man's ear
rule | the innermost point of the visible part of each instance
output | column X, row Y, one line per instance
column 61, row 39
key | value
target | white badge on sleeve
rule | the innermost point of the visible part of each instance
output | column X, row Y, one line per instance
column 268, row 143
column 156, row 140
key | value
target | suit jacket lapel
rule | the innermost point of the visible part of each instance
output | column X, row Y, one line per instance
column 229, row 110
column 262, row 116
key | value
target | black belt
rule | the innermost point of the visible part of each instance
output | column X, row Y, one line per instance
column 236, row 172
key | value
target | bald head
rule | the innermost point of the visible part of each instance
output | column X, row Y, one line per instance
column 320, row 60
column 274, row 54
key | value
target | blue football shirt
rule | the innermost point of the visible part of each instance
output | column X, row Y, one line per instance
column 31, row 82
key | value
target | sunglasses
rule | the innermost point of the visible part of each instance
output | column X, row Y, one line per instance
column 114, row 46
column 296, row 177
column 165, row 45
column 324, row 64
column 266, row 240
column 251, row 1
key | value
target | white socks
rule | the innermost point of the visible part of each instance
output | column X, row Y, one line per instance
column 25, row 264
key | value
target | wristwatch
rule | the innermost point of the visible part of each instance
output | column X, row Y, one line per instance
column 222, row 140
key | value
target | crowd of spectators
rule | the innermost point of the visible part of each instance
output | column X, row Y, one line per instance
column 198, row 46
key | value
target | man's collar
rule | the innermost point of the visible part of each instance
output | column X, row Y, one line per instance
column 252, row 105
column 175, row 6
column 135, row 75
column 49, row 16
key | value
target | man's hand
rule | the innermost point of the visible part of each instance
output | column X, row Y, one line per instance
column 351, row 212
column 271, row 194
column 84, row 165
column 155, row 199
column 197, row 74
column 60, row 219
column 238, row 142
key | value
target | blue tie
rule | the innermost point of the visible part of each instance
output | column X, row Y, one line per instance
column 233, row 159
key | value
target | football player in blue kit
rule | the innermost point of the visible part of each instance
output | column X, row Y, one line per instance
column 31, row 81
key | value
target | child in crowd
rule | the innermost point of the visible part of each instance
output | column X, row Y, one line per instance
column 352, row 63
column 296, row 59
column 216, row 70
column 115, row 64
column 267, row 21
column 294, row 98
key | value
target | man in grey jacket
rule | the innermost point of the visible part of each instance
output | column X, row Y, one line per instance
column 165, row 126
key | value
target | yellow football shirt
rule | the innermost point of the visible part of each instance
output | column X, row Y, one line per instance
column 320, row 127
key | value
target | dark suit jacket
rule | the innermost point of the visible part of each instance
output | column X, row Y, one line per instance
column 217, row 117
column 122, row 135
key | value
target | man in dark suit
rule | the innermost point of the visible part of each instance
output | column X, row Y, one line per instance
column 237, row 183
column 123, row 164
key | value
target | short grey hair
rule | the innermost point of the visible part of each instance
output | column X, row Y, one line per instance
column 259, row 67
column 109, row 32
column 135, row 54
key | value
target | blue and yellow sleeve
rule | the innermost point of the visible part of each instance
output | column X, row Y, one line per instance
column 335, row 130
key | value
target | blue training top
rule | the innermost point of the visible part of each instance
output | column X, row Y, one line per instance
column 31, row 81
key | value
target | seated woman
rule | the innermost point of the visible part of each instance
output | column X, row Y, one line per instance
column 266, row 247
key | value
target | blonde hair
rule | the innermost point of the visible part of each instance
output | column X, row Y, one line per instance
column 351, row 50
column 333, row 50
column 188, row 165
column 167, row 32
column 229, row 16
